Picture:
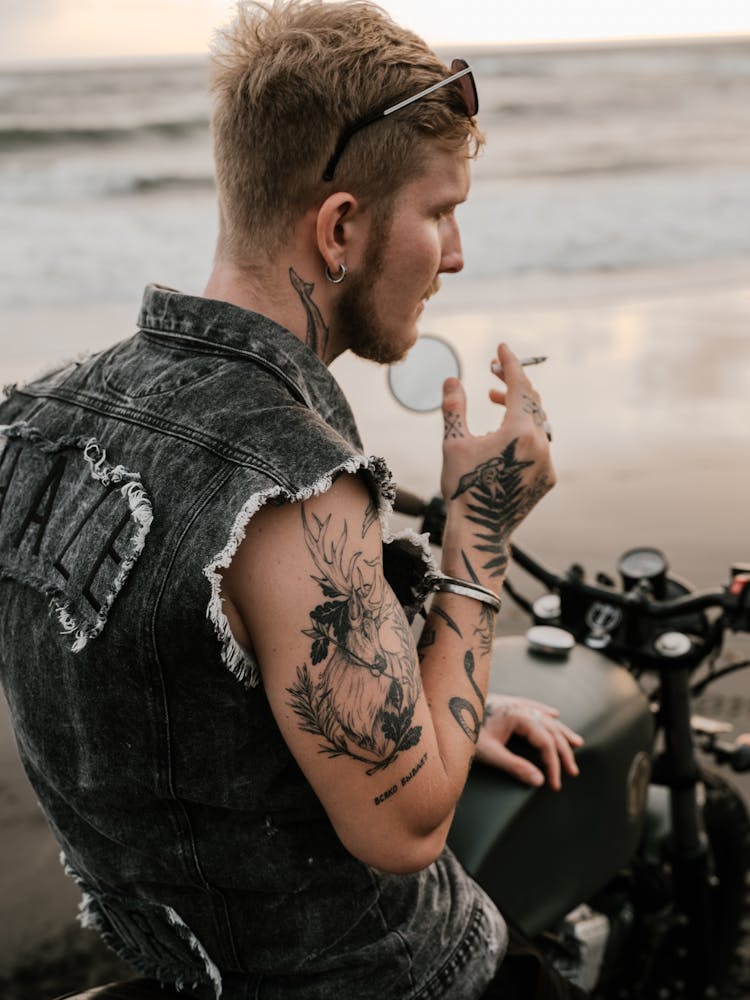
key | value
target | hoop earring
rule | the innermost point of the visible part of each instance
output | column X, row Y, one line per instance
column 339, row 277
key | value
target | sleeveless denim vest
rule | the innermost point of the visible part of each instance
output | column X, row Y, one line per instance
column 202, row 853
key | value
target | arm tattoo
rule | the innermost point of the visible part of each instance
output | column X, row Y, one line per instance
column 486, row 627
column 361, row 703
column 405, row 779
column 426, row 640
column 447, row 619
column 497, row 478
column 461, row 708
column 452, row 426
column 469, row 567
column 428, row 636
column 485, row 630
column 371, row 516
column 317, row 331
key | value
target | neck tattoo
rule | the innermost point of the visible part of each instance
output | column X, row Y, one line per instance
column 316, row 337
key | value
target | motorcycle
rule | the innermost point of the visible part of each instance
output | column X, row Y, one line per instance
column 635, row 878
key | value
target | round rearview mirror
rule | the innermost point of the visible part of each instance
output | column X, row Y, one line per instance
column 417, row 381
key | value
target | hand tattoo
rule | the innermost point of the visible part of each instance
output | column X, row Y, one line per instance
column 531, row 406
column 497, row 478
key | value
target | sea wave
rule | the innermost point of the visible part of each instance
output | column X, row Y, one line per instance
column 61, row 185
column 16, row 138
column 167, row 182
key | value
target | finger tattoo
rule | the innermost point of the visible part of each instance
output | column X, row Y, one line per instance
column 530, row 405
column 453, row 426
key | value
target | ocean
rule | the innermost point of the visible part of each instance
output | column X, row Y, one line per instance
column 598, row 159
column 608, row 227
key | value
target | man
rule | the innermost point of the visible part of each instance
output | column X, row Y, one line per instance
column 250, row 767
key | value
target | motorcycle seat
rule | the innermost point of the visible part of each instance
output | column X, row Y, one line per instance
column 133, row 989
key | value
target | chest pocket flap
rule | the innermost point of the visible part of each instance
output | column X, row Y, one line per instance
column 71, row 525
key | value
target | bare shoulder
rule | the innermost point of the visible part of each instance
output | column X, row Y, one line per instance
column 281, row 538
column 339, row 666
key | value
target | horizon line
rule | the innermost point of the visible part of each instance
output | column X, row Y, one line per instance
column 124, row 59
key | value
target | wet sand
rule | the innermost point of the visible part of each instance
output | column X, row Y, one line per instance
column 647, row 387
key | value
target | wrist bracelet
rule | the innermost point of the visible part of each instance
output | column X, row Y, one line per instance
column 467, row 588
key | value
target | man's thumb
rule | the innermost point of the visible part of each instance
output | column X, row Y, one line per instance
column 454, row 409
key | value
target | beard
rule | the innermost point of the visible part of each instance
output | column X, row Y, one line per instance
column 355, row 312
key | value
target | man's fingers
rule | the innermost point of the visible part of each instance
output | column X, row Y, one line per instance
column 541, row 706
column 454, row 410
column 517, row 766
column 566, row 754
column 575, row 739
column 545, row 743
column 510, row 365
column 555, row 742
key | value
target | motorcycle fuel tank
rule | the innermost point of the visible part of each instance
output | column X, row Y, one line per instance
column 539, row 853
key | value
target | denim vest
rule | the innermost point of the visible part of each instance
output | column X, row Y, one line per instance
column 202, row 853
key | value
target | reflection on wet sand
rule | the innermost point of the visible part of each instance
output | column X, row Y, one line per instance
column 647, row 387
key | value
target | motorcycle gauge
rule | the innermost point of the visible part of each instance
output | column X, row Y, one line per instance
column 649, row 565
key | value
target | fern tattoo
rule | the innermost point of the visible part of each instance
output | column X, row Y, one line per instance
column 498, row 479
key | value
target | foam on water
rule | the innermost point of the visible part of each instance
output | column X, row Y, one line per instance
column 597, row 159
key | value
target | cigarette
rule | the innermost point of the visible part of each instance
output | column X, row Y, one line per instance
column 497, row 368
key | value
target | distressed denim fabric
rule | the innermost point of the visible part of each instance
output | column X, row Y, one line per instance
column 201, row 851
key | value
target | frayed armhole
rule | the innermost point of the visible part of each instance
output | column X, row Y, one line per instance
column 241, row 662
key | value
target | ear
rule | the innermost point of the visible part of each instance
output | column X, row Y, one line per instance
column 340, row 230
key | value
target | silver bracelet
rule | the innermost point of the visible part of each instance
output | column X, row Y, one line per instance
column 467, row 588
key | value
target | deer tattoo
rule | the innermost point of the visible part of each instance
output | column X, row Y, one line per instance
column 362, row 703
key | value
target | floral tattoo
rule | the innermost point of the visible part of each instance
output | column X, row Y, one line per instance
column 360, row 692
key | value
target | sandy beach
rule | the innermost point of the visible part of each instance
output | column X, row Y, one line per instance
column 608, row 228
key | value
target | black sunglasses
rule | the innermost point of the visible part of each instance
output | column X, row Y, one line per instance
column 461, row 74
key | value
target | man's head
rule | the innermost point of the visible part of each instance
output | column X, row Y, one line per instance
column 409, row 246
column 288, row 76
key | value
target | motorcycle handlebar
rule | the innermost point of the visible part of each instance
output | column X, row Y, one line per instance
column 734, row 601
column 628, row 599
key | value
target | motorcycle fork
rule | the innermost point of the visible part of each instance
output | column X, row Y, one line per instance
column 678, row 769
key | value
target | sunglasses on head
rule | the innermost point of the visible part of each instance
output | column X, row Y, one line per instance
column 461, row 74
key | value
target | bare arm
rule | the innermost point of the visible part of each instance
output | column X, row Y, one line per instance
column 384, row 737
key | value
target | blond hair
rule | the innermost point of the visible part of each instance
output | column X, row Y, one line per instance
column 287, row 77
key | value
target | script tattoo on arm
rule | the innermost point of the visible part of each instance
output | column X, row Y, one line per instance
column 317, row 331
column 498, row 479
column 359, row 694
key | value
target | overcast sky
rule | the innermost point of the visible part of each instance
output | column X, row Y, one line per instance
column 59, row 29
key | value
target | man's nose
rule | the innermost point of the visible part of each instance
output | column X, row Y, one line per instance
column 452, row 260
